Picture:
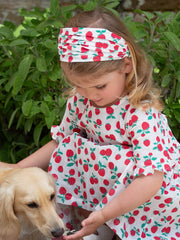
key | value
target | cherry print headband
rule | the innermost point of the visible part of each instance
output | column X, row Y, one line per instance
column 90, row 45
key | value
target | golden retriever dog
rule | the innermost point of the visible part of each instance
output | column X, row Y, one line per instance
column 27, row 205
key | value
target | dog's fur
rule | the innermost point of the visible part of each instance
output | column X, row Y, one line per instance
column 27, row 205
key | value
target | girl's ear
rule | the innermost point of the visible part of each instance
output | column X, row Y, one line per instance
column 127, row 65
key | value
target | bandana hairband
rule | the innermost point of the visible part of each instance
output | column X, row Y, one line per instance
column 90, row 45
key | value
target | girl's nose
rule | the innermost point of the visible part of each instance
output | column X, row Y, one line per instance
column 88, row 93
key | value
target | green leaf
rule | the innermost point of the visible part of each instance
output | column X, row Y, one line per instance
column 45, row 109
column 12, row 117
column 26, row 107
column 18, row 42
column 41, row 64
column 50, row 119
column 54, row 7
column 166, row 81
column 178, row 90
column 37, row 133
column 175, row 41
column 23, row 71
column 6, row 32
column 177, row 115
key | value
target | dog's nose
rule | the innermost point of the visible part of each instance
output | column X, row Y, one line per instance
column 57, row 232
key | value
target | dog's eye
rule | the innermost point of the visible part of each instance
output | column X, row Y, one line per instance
column 32, row 205
column 52, row 196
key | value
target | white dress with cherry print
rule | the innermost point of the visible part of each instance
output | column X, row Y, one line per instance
column 102, row 150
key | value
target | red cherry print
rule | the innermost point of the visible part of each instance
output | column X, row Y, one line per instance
column 143, row 235
column 101, row 139
column 133, row 233
column 168, row 200
column 60, row 168
column 95, row 201
column 84, row 57
column 55, row 176
column 93, row 156
column 131, row 220
column 177, row 234
column 148, row 162
column 116, row 222
column 90, row 114
column 101, row 36
column 89, row 36
column 118, row 125
column 111, row 165
column 97, row 59
column 85, row 195
column 86, row 167
column 161, row 205
column 71, row 180
column 69, row 226
column 108, row 126
column 167, row 167
column 145, row 125
column 62, row 190
column 101, row 172
column 134, row 118
column 92, row 192
column 104, row 201
column 108, row 152
column 70, row 59
column 103, row 152
column 174, row 210
column 68, row 196
column 126, row 162
column 75, row 29
column 69, row 153
column 97, row 111
column 103, row 190
column 84, row 50
column 146, row 143
column 49, row 168
column 96, row 167
column 111, row 192
column 106, row 182
column 58, row 159
column 82, row 124
column 71, row 171
column 159, row 146
column 109, row 110
column 99, row 122
column 118, row 156
column 54, row 154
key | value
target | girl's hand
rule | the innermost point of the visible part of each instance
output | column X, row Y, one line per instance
column 89, row 226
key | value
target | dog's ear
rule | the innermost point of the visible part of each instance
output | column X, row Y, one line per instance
column 9, row 223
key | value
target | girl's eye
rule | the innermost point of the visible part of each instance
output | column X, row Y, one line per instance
column 101, row 87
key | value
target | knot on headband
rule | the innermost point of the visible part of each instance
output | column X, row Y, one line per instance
column 90, row 45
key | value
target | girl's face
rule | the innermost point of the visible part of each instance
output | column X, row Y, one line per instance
column 101, row 91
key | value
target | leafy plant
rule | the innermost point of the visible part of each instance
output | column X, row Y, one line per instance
column 159, row 35
column 31, row 80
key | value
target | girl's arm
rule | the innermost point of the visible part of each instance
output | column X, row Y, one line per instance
column 137, row 193
column 40, row 158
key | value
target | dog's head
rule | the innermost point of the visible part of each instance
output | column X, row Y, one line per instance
column 27, row 197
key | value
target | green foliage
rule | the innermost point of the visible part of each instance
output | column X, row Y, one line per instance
column 31, row 80
column 159, row 35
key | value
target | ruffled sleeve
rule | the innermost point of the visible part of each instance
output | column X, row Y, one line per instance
column 154, row 145
column 68, row 124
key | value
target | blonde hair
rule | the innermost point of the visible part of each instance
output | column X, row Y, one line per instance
column 139, row 87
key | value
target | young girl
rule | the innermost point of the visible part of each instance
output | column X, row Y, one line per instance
column 113, row 155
